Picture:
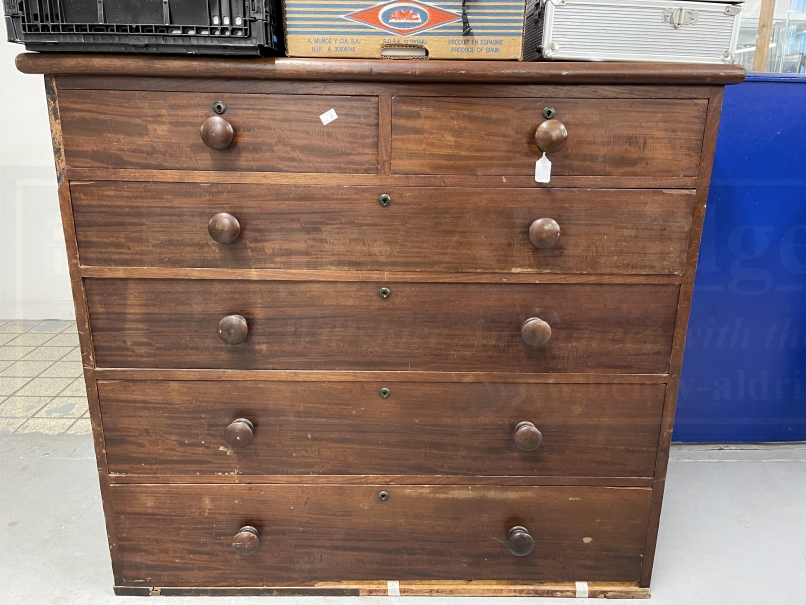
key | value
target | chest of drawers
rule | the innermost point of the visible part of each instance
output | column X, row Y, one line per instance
column 372, row 355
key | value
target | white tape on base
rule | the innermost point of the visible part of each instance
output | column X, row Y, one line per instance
column 393, row 588
column 582, row 590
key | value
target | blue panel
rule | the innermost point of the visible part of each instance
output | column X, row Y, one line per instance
column 744, row 372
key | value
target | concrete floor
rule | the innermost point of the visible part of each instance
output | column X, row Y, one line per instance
column 733, row 530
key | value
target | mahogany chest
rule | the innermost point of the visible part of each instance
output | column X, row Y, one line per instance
column 337, row 340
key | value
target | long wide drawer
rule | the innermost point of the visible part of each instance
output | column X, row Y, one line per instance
column 274, row 133
column 373, row 428
column 182, row 535
column 606, row 137
column 381, row 326
column 419, row 229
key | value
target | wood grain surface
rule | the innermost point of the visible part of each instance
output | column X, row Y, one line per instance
column 362, row 70
column 350, row 428
column 606, row 137
column 432, row 588
column 348, row 326
column 181, row 535
column 345, row 228
column 275, row 133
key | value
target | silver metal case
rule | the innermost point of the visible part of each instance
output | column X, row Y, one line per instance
column 638, row 30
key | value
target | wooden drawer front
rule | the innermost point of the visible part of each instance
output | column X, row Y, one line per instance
column 339, row 428
column 179, row 535
column 422, row 229
column 348, row 326
column 275, row 133
column 606, row 137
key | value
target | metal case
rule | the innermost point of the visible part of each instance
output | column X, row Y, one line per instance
column 638, row 30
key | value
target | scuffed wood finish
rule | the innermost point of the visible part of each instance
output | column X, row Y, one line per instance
column 377, row 180
column 342, row 376
column 361, row 70
column 340, row 533
column 348, row 326
column 289, row 431
column 452, row 480
column 681, row 326
column 334, row 275
column 434, row 588
column 421, row 229
column 348, row 428
column 496, row 136
column 276, row 133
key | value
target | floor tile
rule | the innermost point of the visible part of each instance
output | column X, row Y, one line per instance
column 26, row 368
column 49, row 426
column 9, row 425
column 70, row 328
column 14, row 353
column 63, row 369
column 45, row 386
column 62, row 340
column 22, row 407
column 5, row 364
column 18, row 326
column 30, row 340
column 63, row 407
column 77, row 389
column 47, row 353
column 4, row 338
column 10, row 385
column 83, row 426
column 52, row 326
column 74, row 355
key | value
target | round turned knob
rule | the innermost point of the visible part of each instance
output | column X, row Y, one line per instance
column 551, row 136
column 535, row 332
column 224, row 228
column 241, row 431
column 544, row 233
column 217, row 133
column 527, row 437
column 233, row 329
column 520, row 542
column 246, row 540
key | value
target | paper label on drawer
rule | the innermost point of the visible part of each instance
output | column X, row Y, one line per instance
column 328, row 116
column 393, row 588
column 543, row 170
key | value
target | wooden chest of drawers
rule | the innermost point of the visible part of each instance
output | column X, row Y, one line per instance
column 372, row 355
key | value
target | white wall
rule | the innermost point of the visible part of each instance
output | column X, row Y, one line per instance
column 33, row 265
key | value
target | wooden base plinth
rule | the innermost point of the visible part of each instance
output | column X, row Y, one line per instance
column 600, row 590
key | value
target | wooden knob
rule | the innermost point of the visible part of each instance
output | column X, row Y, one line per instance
column 527, row 437
column 543, row 233
column 520, row 542
column 233, row 329
column 224, row 228
column 217, row 133
column 241, row 431
column 535, row 332
column 551, row 136
column 246, row 540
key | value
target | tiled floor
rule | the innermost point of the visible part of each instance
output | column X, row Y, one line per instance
column 41, row 385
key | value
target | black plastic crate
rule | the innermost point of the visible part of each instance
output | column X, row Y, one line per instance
column 209, row 27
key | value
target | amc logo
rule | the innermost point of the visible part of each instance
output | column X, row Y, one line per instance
column 403, row 17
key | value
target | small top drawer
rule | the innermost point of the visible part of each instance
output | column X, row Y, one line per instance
column 272, row 133
column 496, row 136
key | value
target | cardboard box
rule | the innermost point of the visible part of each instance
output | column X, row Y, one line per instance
column 449, row 29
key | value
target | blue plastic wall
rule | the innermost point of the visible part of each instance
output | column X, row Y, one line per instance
column 744, row 371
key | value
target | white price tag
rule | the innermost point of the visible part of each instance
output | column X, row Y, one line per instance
column 543, row 170
column 328, row 116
